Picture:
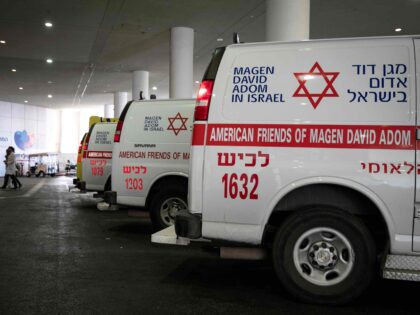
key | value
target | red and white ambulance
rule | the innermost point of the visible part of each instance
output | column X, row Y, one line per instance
column 151, row 155
column 309, row 150
column 97, row 156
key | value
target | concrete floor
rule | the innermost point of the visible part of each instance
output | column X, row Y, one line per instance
column 59, row 255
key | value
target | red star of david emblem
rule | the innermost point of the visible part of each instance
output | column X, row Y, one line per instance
column 177, row 123
column 316, row 71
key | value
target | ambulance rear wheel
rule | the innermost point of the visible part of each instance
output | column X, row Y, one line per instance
column 165, row 205
column 324, row 256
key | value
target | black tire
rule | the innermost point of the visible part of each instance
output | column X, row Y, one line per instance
column 172, row 194
column 300, row 277
column 41, row 174
column 28, row 174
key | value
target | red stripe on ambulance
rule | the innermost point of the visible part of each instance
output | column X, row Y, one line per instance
column 198, row 135
column 308, row 136
column 99, row 154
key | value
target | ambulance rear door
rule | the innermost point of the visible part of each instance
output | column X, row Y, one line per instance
column 97, row 166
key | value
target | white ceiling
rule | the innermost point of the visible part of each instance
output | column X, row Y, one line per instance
column 96, row 44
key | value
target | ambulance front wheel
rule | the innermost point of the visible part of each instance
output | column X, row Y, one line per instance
column 165, row 205
column 324, row 256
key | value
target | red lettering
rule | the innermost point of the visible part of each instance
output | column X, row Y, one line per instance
column 244, row 192
column 234, row 186
column 134, row 184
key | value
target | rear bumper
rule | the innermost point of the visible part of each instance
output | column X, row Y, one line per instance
column 188, row 225
column 77, row 183
column 110, row 197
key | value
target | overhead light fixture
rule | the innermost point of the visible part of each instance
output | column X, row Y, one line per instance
column 13, row 70
column 49, row 82
column 25, row 101
column 49, row 96
column 398, row 29
column 20, row 88
column 49, row 60
column 48, row 24
column 154, row 88
column 197, row 82
column 220, row 39
column 2, row 42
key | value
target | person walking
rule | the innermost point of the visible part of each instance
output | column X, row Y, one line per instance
column 10, row 169
column 16, row 180
column 68, row 167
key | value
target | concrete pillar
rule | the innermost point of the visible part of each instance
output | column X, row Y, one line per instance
column 120, row 99
column 287, row 20
column 140, row 84
column 181, row 63
column 109, row 111
column 70, row 131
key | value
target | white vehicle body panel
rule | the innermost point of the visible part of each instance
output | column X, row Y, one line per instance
column 416, row 225
column 97, row 160
column 287, row 115
column 155, row 143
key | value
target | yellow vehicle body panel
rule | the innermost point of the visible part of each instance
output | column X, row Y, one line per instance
column 97, row 119
column 79, row 173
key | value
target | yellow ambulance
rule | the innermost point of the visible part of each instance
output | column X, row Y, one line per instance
column 92, row 121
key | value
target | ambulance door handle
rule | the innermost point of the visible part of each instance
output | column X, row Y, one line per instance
column 417, row 134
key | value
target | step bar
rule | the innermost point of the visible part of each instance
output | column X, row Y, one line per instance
column 402, row 267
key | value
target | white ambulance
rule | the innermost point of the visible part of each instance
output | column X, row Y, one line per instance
column 97, row 157
column 151, row 158
column 309, row 150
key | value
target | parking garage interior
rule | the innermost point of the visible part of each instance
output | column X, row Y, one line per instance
column 64, row 62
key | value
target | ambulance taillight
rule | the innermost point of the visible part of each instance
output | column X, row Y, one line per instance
column 205, row 91
column 202, row 104
column 117, row 134
column 81, row 143
column 118, row 130
column 86, row 146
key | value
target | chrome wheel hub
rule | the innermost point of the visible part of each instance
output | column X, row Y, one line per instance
column 323, row 256
column 169, row 209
